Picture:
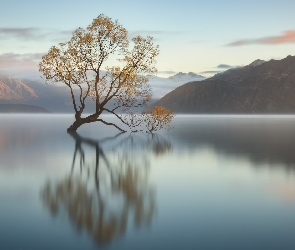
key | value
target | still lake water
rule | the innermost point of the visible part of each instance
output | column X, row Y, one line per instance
column 212, row 182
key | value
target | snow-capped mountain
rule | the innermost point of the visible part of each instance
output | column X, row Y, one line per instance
column 257, row 62
column 186, row 77
column 162, row 86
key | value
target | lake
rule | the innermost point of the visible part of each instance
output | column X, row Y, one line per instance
column 211, row 182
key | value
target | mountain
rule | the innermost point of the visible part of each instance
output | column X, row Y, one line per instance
column 260, row 87
column 12, row 89
column 57, row 98
column 54, row 97
column 35, row 93
column 256, row 62
column 186, row 77
column 21, row 108
column 161, row 86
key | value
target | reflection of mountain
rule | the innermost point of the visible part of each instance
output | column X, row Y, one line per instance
column 111, row 189
column 261, row 87
column 261, row 140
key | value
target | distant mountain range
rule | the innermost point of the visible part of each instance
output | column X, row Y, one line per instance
column 34, row 96
column 187, row 77
column 161, row 86
column 12, row 89
column 260, row 87
column 21, row 108
column 57, row 98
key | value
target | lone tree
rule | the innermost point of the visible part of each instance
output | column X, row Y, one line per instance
column 79, row 62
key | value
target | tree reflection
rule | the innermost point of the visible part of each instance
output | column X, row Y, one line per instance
column 118, row 195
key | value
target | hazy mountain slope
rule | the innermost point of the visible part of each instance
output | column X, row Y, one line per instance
column 161, row 86
column 57, row 98
column 12, row 89
column 263, row 87
column 21, row 108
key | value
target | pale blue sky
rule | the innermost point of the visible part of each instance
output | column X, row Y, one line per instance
column 193, row 35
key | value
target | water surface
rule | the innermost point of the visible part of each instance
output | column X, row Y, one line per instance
column 212, row 182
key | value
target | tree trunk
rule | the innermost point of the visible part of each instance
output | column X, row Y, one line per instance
column 80, row 121
column 75, row 126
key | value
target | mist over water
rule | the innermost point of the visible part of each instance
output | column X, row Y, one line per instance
column 212, row 182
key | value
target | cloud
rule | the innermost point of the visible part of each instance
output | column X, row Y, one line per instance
column 8, row 59
column 211, row 72
column 224, row 66
column 23, row 33
column 33, row 33
column 20, row 65
column 285, row 37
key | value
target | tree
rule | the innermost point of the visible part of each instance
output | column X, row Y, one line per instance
column 78, row 64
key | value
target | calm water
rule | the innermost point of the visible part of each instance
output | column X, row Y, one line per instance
column 213, row 182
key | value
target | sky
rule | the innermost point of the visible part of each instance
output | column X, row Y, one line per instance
column 204, row 37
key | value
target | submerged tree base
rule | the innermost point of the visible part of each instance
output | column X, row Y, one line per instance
column 71, row 129
column 74, row 126
column 78, row 123
column 149, row 121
